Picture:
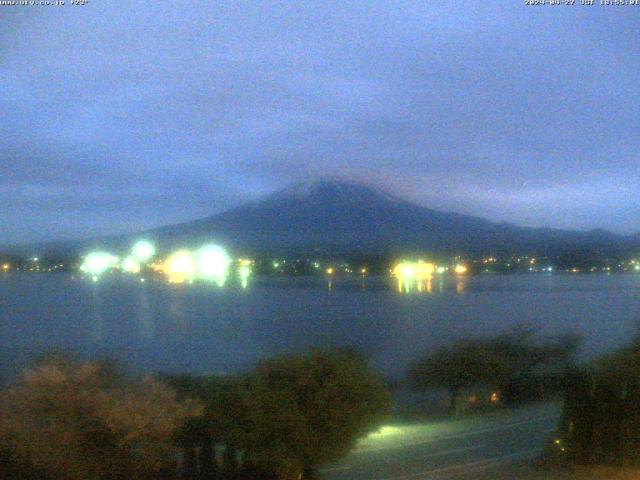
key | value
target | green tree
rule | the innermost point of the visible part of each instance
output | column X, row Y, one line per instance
column 523, row 365
column 306, row 410
column 601, row 418
column 456, row 369
column 222, row 423
column 289, row 415
column 504, row 362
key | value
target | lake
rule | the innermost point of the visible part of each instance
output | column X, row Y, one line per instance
column 201, row 328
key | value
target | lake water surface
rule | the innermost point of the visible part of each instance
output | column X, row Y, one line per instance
column 200, row 328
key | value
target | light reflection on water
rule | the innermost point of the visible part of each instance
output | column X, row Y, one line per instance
column 97, row 320
column 201, row 328
column 145, row 317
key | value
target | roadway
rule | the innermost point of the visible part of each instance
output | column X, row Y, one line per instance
column 454, row 449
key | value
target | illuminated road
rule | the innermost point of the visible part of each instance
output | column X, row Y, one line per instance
column 448, row 449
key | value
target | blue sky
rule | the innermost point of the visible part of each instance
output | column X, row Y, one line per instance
column 119, row 116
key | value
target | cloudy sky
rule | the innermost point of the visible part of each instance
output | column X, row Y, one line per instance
column 123, row 115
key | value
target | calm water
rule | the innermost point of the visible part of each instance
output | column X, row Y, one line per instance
column 154, row 326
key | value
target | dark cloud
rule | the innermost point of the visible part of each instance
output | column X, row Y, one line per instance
column 123, row 115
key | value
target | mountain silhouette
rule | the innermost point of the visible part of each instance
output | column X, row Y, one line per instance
column 340, row 217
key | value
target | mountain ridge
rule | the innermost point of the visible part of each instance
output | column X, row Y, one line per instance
column 338, row 216
column 332, row 216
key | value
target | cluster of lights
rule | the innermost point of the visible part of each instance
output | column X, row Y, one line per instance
column 99, row 262
column 96, row 263
column 419, row 274
column 209, row 263
column 413, row 274
column 344, row 268
column 418, row 271
column 141, row 253
column 180, row 266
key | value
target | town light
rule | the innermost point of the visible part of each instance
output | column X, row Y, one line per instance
column 414, row 270
column 180, row 266
column 131, row 265
column 424, row 270
column 96, row 263
column 410, row 274
column 213, row 263
column 405, row 270
column 460, row 269
column 143, row 251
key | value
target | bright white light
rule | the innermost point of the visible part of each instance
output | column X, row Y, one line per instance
column 414, row 270
column 213, row 263
column 180, row 266
column 97, row 263
column 405, row 270
column 414, row 274
column 131, row 265
column 143, row 250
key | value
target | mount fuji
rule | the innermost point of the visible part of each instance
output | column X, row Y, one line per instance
column 341, row 217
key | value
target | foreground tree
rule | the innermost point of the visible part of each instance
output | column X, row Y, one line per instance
column 306, row 410
column 222, row 425
column 510, row 362
column 601, row 417
column 456, row 369
column 71, row 420
column 289, row 415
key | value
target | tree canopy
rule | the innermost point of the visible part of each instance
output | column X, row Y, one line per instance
column 84, row 421
column 310, row 409
column 601, row 418
column 494, row 362
column 291, row 413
